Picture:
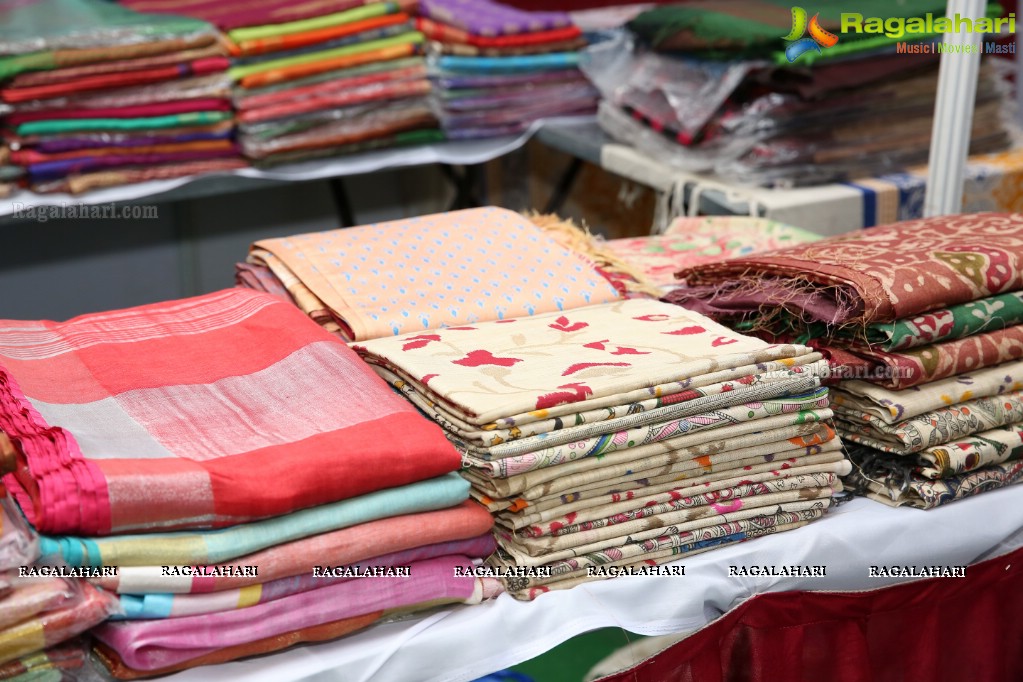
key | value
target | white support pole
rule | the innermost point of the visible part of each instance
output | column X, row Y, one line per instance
column 953, row 114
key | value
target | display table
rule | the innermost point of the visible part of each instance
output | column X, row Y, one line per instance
column 463, row 643
column 993, row 182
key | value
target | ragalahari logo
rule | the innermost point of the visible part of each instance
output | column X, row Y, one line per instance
column 799, row 43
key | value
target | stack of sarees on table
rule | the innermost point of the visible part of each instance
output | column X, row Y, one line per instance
column 100, row 95
column 9, row 173
column 695, row 241
column 445, row 270
column 714, row 87
column 626, row 434
column 498, row 69
column 923, row 323
column 249, row 500
column 320, row 79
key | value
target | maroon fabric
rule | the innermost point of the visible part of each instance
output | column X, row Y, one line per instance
column 934, row 630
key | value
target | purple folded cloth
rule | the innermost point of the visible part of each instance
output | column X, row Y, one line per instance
column 508, row 80
column 75, row 144
column 486, row 18
column 154, row 644
column 52, row 170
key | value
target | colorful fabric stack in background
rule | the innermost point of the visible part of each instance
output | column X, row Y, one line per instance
column 424, row 273
column 924, row 322
column 8, row 173
column 498, row 69
column 622, row 434
column 101, row 95
column 320, row 79
column 712, row 88
column 131, row 424
column 695, row 241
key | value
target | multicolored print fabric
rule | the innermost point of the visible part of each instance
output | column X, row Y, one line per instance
column 559, row 363
column 882, row 274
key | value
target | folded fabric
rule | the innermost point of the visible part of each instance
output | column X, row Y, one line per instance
column 296, row 421
column 450, row 276
column 742, row 444
column 185, row 548
column 48, row 170
column 389, row 29
column 435, row 30
column 154, row 644
column 73, row 73
column 955, row 322
column 148, row 606
column 156, row 74
column 137, row 111
column 349, row 545
column 997, row 446
column 926, row 364
column 77, row 184
column 89, row 607
column 191, row 87
column 231, row 14
column 326, row 21
column 318, row 60
column 32, row 156
column 317, row 633
column 599, row 353
column 491, row 65
column 879, row 275
column 250, row 98
column 489, row 18
column 29, row 598
column 694, row 241
column 401, row 138
column 937, row 427
column 194, row 118
column 375, row 92
column 33, row 34
column 315, row 36
column 322, row 64
column 886, row 479
column 894, row 406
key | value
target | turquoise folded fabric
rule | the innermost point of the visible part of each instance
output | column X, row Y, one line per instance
column 191, row 548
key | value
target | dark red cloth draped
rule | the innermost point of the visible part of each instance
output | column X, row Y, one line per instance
column 933, row 630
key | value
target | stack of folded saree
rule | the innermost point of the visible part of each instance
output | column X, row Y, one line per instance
column 923, row 323
column 320, row 79
column 217, row 481
column 498, row 69
column 423, row 273
column 8, row 173
column 102, row 95
column 624, row 434
column 713, row 87
column 695, row 241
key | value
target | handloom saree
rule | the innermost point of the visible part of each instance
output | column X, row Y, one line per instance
column 557, row 363
column 48, row 628
column 157, row 74
column 188, row 548
column 316, row 36
column 695, row 241
column 453, row 264
column 403, row 138
column 386, row 31
column 49, row 170
column 29, row 598
column 435, row 30
column 164, row 605
column 77, row 184
column 232, row 14
column 159, row 643
column 194, row 87
column 253, row 434
column 488, row 18
column 317, row 633
column 194, row 118
column 398, row 88
column 28, row 157
column 349, row 545
column 250, row 98
column 73, row 73
column 888, row 479
column 278, row 30
column 302, row 71
column 937, row 427
column 875, row 276
column 711, row 450
column 895, row 406
column 136, row 111
column 57, row 663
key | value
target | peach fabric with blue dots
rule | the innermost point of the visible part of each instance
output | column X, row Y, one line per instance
column 439, row 270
